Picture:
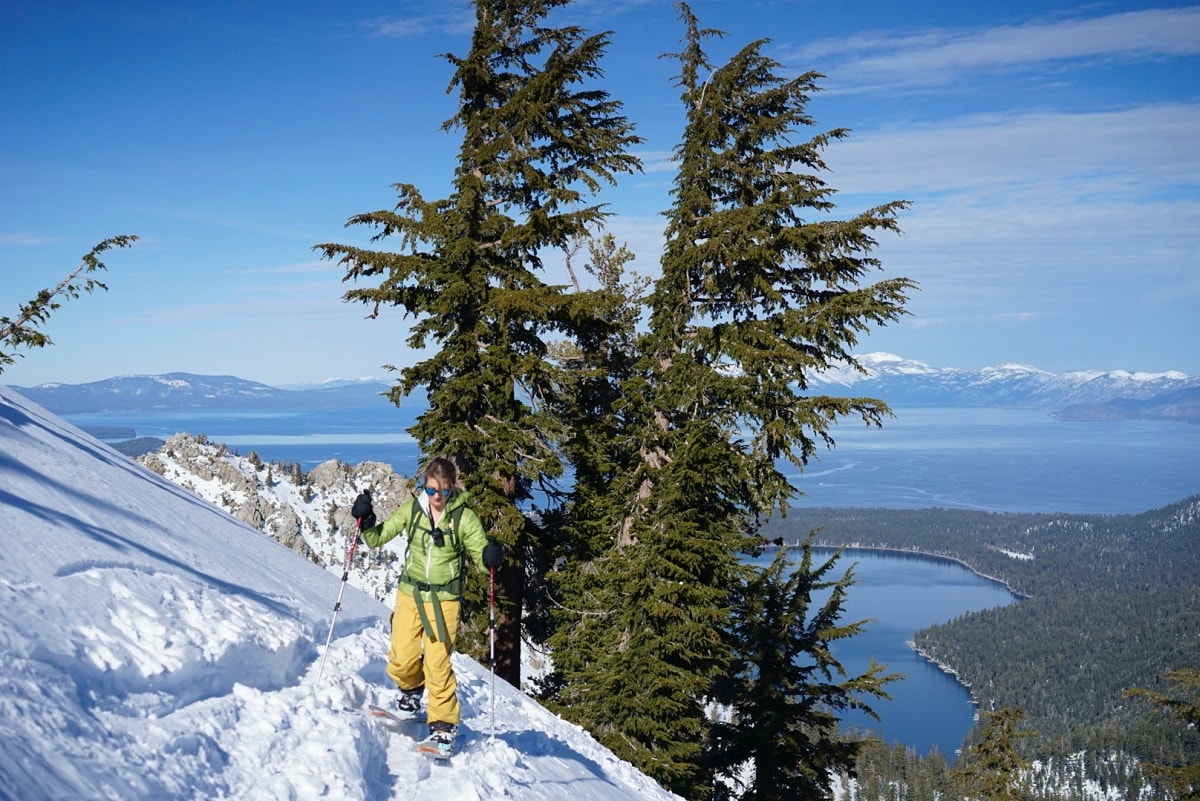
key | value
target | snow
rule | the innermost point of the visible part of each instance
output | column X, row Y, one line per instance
column 154, row 647
column 1125, row 375
column 876, row 364
column 1023, row 557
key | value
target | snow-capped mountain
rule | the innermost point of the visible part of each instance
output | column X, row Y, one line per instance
column 188, row 391
column 1078, row 394
column 154, row 647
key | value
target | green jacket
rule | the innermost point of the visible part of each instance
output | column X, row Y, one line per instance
column 431, row 570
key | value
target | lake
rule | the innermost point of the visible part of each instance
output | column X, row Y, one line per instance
column 900, row 594
column 999, row 460
column 1006, row 460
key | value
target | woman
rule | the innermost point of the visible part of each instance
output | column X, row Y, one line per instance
column 440, row 529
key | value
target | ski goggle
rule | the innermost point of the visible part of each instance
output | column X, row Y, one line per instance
column 431, row 491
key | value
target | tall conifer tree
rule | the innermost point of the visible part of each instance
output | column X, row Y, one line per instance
column 538, row 137
column 760, row 286
column 780, row 739
column 993, row 767
column 1181, row 702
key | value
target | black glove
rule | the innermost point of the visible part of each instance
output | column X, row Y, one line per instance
column 362, row 510
column 493, row 553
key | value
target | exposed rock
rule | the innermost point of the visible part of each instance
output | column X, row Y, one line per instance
column 309, row 514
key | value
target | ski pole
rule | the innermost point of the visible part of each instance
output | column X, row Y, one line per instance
column 492, row 638
column 338, row 604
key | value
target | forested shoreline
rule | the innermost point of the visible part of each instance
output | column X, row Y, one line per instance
column 1109, row 602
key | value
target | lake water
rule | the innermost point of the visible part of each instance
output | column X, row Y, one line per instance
column 1006, row 460
column 900, row 594
column 1001, row 460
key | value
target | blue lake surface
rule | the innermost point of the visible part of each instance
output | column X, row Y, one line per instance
column 1000, row 460
column 900, row 594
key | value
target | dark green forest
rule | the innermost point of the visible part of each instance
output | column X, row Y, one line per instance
column 1109, row 602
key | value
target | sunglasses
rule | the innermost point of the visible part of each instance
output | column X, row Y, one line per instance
column 446, row 493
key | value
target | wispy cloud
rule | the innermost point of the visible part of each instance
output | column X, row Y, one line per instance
column 457, row 18
column 657, row 161
column 454, row 18
column 1138, row 151
column 1033, row 212
column 874, row 60
column 20, row 238
column 292, row 269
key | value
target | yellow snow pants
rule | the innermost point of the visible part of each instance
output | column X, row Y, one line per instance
column 414, row 659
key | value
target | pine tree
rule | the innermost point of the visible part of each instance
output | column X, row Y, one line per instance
column 538, row 136
column 644, row 567
column 1181, row 702
column 783, row 696
column 992, row 767
column 755, row 296
column 752, row 297
column 593, row 414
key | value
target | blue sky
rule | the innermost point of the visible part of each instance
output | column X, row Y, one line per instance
column 1051, row 151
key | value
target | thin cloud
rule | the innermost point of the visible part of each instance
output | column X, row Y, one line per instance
column 450, row 18
column 292, row 269
column 657, row 161
column 20, row 238
column 873, row 60
column 1144, row 149
column 457, row 18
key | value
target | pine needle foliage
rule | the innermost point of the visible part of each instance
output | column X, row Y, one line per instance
column 538, row 138
column 992, row 768
column 670, row 403
column 582, row 587
column 759, row 286
column 785, row 693
column 1181, row 702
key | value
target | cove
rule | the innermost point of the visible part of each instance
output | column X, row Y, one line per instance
column 901, row 593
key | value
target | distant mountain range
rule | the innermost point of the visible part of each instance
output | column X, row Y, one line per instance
column 173, row 391
column 1077, row 395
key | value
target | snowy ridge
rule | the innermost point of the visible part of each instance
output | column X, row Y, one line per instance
column 905, row 382
column 310, row 514
column 157, row 648
column 889, row 365
column 189, row 391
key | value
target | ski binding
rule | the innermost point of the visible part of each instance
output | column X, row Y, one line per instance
column 437, row 747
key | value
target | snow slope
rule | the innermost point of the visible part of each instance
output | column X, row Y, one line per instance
column 153, row 647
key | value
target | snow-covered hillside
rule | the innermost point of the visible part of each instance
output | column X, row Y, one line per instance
column 154, row 647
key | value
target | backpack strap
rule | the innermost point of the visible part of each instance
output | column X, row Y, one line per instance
column 437, row 632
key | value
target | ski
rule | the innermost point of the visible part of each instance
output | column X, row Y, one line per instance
column 388, row 715
column 436, row 747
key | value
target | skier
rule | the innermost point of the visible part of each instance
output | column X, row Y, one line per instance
column 440, row 529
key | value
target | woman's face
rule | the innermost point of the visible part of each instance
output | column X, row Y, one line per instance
column 439, row 499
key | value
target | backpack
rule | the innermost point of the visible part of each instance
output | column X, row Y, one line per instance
column 435, row 631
